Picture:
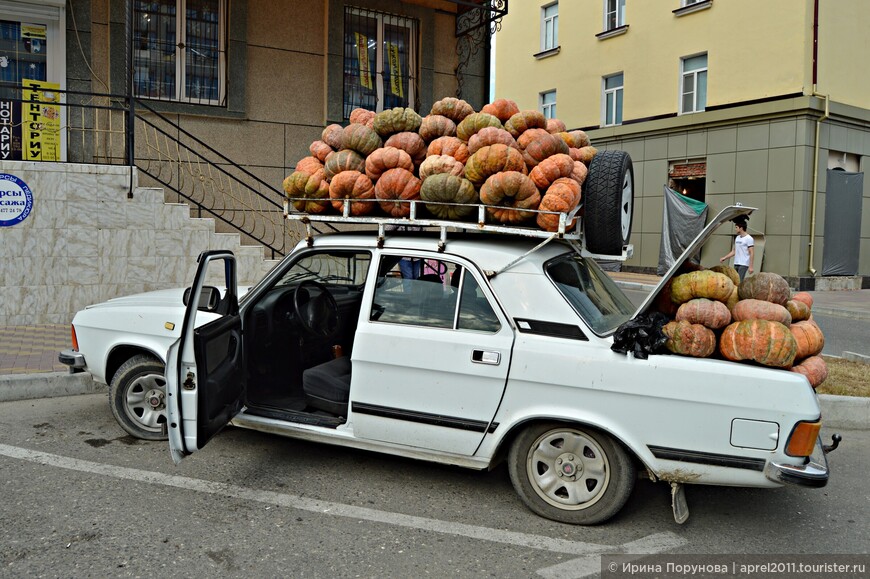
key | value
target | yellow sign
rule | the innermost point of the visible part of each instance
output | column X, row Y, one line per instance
column 33, row 31
column 40, row 120
column 395, row 70
column 362, row 54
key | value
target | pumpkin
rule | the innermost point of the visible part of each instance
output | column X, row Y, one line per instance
column 396, row 120
column 799, row 310
column 562, row 196
column 804, row 297
column 579, row 173
column 663, row 301
column 434, row 126
column 320, row 150
column 441, row 164
column 446, row 188
column 411, row 143
column 689, row 339
column 579, row 139
column 452, row 146
column 309, row 165
column 394, row 187
column 809, row 338
column 331, row 135
column 709, row 313
column 732, row 299
column 360, row 138
column 492, row 159
column 490, row 136
column 768, row 343
column 507, row 194
column 362, row 116
column 525, row 120
column 556, row 126
column 552, row 168
column 529, row 136
column 760, row 310
column 352, row 185
column 729, row 271
column 502, row 109
column 471, row 124
column 583, row 154
column 814, row 368
column 543, row 147
column 344, row 160
column 565, row 136
column 453, row 108
column 701, row 284
column 767, row 286
column 387, row 158
column 309, row 191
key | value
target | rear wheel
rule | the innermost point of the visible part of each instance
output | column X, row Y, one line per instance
column 570, row 474
column 137, row 396
column 608, row 202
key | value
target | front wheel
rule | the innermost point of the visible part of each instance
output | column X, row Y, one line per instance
column 570, row 474
column 137, row 396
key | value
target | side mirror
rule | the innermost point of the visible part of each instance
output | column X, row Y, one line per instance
column 209, row 298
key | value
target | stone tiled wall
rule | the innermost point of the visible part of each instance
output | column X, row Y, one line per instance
column 85, row 242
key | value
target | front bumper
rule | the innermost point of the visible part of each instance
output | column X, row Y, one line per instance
column 814, row 473
column 75, row 360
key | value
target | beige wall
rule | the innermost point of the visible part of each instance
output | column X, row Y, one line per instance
column 844, row 48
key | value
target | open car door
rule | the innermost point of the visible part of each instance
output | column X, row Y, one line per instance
column 205, row 371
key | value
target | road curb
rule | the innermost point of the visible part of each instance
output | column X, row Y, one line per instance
column 634, row 285
column 849, row 412
column 46, row 385
column 841, row 313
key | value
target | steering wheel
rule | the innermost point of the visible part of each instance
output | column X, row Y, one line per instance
column 316, row 310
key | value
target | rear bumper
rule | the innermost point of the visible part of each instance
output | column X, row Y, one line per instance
column 814, row 473
column 75, row 360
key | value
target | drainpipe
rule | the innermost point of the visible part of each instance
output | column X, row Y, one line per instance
column 819, row 122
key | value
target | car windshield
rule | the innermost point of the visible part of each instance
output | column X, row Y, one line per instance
column 590, row 291
column 333, row 268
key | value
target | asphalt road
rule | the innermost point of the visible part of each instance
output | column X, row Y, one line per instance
column 82, row 499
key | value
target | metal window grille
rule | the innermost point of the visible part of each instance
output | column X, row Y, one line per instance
column 380, row 61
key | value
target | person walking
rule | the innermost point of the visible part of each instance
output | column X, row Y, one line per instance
column 744, row 249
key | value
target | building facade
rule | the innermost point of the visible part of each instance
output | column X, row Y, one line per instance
column 728, row 101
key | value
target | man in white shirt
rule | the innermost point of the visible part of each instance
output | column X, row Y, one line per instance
column 744, row 249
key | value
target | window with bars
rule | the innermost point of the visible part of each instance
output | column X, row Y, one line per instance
column 613, row 99
column 548, row 104
column 179, row 50
column 380, row 61
column 550, row 27
column 693, row 84
column 614, row 14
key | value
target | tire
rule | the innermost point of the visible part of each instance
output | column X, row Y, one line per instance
column 608, row 202
column 602, row 480
column 137, row 397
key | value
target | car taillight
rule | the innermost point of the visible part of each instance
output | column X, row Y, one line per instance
column 75, row 341
column 803, row 438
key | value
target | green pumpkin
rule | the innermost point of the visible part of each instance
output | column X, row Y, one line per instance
column 397, row 120
column 473, row 123
column 446, row 188
column 360, row 138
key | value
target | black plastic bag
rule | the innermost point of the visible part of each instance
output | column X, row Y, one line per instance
column 642, row 335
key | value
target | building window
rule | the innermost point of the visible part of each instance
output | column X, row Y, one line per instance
column 690, row 2
column 548, row 104
column 613, row 100
column 694, row 84
column 380, row 61
column 550, row 27
column 614, row 14
column 179, row 50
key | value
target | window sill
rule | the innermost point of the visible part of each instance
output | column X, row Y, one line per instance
column 618, row 31
column 691, row 8
column 547, row 53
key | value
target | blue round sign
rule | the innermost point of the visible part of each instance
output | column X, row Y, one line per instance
column 16, row 200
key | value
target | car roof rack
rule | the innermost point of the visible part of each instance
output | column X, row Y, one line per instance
column 484, row 223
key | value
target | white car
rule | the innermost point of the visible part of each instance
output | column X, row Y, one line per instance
column 498, row 348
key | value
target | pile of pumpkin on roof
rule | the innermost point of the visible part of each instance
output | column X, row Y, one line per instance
column 512, row 161
column 756, row 320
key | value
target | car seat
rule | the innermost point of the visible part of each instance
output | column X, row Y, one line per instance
column 327, row 386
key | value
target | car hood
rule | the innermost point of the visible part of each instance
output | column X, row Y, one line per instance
column 158, row 298
column 723, row 217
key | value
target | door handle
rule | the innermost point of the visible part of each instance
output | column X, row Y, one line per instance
column 485, row 357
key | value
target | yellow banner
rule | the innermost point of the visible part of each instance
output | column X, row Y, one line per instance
column 395, row 70
column 362, row 54
column 41, row 121
column 36, row 31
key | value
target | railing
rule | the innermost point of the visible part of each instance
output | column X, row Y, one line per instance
column 117, row 130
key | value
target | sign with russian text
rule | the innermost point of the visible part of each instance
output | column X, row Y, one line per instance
column 16, row 200
column 41, row 121
column 395, row 70
column 10, row 131
column 362, row 55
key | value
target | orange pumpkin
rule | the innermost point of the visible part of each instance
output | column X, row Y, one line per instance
column 814, row 368
column 562, row 196
column 473, row 123
column 441, row 164
column 525, row 120
column 309, row 165
column 352, row 185
column 809, row 338
column 765, row 286
column 387, row 158
column 320, row 150
column 709, row 313
column 768, row 343
column 550, row 169
column 492, row 159
column 804, row 297
column 760, row 310
column 331, row 135
column 579, row 139
column 434, row 126
column 395, row 189
column 411, row 143
column 502, row 109
column 453, row 108
column 507, row 194
column 556, row 126
column 689, row 339
column 583, row 154
column 452, row 146
column 579, row 173
column 490, row 136
column 344, row 160
column 362, row 116
column 543, row 147
column 701, row 284
column 799, row 310
column 529, row 136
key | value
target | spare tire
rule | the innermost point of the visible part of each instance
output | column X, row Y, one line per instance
column 608, row 201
